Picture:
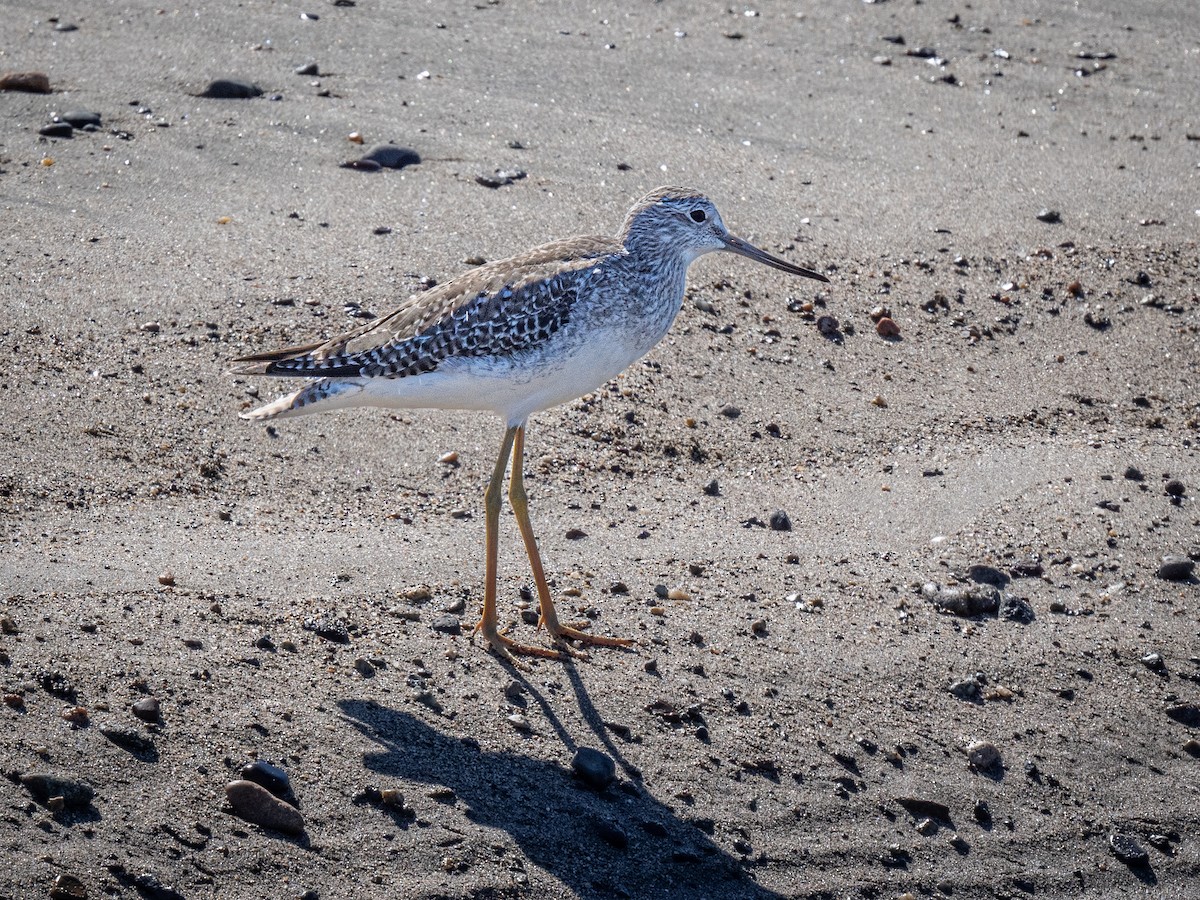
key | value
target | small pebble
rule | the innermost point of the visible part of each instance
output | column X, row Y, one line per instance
column 984, row 756
column 713, row 488
column 364, row 667
column 779, row 521
column 679, row 595
column 1049, row 216
column 449, row 459
column 231, row 89
column 887, row 328
column 256, row 804
column 57, row 129
column 1154, row 662
column 309, row 68
column 68, row 887
column 8, row 625
column 29, row 82
column 1174, row 488
column 447, row 624
column 81, row 118
column 44, row 787
column 1176, row 568
column 730, row 411
column 1127, row 850
column 167, row 578
column 75, row 715
column 595, row 769
column 519, row 722
column 273, row 778
column 147, row 709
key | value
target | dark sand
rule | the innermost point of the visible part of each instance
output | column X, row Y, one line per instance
column 801, row 697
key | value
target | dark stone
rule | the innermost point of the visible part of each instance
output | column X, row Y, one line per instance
column 331, row 631
column 273, row 778
column 447, row 624
column 147, row 709
column 388, row 156
column 1176, row 568
column 922, row 808
column 1049, row 216
column 231, row 89
column 1015, row 609
column 1133, row 473
column 595, row 769
column 1127, row 850
column 713, row 488
column 1174, row 488
column 309, row 68
column 81, row 118
column 43, row 787
column 1185, row 714
column 57, row 129
column 779, row 521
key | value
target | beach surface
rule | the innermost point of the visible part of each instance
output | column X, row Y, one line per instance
column 957, row 664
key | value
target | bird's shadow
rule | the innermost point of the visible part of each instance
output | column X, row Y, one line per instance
column 572, row 832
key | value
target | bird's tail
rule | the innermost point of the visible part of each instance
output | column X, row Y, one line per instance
column 327, row 393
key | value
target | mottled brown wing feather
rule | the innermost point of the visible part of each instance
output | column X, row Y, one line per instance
column 464, row 316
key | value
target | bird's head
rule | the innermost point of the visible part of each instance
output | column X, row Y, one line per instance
column 686, row 222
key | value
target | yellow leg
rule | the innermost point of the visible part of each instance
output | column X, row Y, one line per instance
column 520, row 507
column 488, row 624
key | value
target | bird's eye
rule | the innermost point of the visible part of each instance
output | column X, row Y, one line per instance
column 699, row 215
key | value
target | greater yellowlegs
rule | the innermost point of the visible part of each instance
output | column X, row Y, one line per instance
column 514, row 337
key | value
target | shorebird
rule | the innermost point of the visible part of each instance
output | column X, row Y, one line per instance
column 515, row 337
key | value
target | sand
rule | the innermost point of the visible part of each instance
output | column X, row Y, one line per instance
column 785, row 724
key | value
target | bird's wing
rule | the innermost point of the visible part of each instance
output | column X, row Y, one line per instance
column 497, row 308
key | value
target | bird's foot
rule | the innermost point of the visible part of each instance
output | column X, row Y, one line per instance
column 508, row 649
column 560, row 633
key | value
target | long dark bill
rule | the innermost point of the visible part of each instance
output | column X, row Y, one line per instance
column 737, row 245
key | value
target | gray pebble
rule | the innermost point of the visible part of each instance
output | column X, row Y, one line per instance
column 975, row 600
column 309, row 68
column 45, row 787
column 730, row 411
column 1127, row 850
column 713, row 488
column 331, row 631
column 595, row 769
column 1176, row 568
column 1016, row 609
column 447, row 624
column 231, row 89
column 57, row 129
column 984, row 756
column 1049, row 216
column 80, row 118
column 967, row 689
column 256, row 804
column 389, row 156
column 1154, row 662
column 779, row 521
column 364, row 667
